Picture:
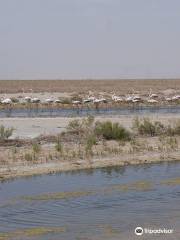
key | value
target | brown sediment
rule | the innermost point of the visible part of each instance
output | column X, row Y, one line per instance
column 108, row 230
column 57, row 196
column 31, row 232
column 78, row 89
column 135, row 186
column 171, row 181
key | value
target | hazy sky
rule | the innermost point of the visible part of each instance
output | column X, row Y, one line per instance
column 89, row 39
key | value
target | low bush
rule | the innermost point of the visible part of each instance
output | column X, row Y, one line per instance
column 75, row 126
column 36, row 147
column 81, row 127
column 111, row 131
column 174, row 130
column 5, row 133
column 28, row 157
column 146, row 127
column 15, row 100
column 90, row 142
column 65, row 100
column 177, row 128
column 76, row 98
column 58, row 145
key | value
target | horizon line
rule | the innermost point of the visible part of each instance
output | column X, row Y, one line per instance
column 91, row 79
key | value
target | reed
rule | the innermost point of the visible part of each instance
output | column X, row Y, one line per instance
column 5, row 133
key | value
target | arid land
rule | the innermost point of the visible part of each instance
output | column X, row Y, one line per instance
column 76, row 94
column 83, row 86
column 45, row 145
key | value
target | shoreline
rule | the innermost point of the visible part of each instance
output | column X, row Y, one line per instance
column 89, row 106
column 8, row 172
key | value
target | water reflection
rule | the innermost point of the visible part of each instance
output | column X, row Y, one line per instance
column 104, row 204
column 114, row 170
column 37, row 111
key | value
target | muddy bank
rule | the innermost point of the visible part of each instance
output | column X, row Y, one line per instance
column 8, row 172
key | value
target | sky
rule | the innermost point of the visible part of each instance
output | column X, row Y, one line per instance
column 81, row 39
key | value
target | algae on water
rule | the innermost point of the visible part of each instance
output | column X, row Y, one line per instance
column 171, row 181
column 56, row 196
column 31, row 232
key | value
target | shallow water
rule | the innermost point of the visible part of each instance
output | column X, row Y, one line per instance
column 92, row 204
column 58, row 112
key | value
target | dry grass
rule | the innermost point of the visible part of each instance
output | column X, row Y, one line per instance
column 82, row 86
column 79, row 143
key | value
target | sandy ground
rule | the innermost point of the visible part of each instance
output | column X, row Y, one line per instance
column 33, row 127
column 84, row 94
column 41, row 95
column 120, row 86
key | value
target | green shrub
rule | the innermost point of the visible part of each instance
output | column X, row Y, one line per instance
column 58, row 145
column 90, row 141
column 173, row 143
column 173, row 130
column 84, row 126
column 146, row 127
column 109, row 130
column 28, row 157
column 5, row 133
column 74, row 126
column 88, row 122
column 176, row 128
column 65, row 100
column 76, row 98
column 15, row 100
column 170, row 130
column 36, row 147
column 168, row 143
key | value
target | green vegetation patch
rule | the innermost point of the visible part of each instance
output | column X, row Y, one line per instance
column 40, row 231
column 172, row 181
column 4, row 236
column 31, row 232
column 136, row 186
column 59, row 195
column 111, row 131
column 147, row 127
column 5, row 133
column 109, row 230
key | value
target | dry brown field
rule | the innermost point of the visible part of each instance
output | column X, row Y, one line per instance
column 82, row 86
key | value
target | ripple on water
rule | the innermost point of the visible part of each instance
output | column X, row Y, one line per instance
column 101, row 211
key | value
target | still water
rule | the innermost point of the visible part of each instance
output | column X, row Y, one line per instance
column 102, row 204
column 73, row 112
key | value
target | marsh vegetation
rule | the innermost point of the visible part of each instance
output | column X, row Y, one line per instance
column 87, row 142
